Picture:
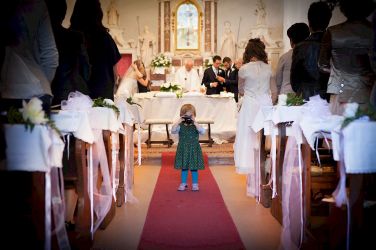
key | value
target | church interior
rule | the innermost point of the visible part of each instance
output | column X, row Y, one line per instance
column 188, row 124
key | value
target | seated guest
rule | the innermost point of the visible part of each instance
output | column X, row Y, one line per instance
column 187, row 77
column 296, row 33
column 211, row 77
column 231, row 76
column 345, row 53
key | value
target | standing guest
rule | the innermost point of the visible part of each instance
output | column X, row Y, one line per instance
column 30, row 56
column 296, row 33
column 103, row 54
column 188, row 77
column 231, row 76
column 255, row 76
column 345, row 53
column 211, row 77
column 143, row 83
column 188, row 153
column 134, row 81
column 74, row 68
column 306, row 77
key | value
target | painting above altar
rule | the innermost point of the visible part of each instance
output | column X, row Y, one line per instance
column 187, row 27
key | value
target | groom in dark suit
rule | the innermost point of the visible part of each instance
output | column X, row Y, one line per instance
column 231, row 76
column 214, row 77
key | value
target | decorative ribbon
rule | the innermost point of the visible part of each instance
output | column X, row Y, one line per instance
column 91, row 189
column 340, row 194
column 102, row 197
column 114, row 169
column 58, row 207
column 47, row 218
column 139, row 143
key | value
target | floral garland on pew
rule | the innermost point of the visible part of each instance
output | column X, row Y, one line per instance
column 30, row 115
column 106, row 103
column 353, row 112
column 131, row 102
column 290, row 99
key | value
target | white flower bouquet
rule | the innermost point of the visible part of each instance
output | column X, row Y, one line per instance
column 170, row 87
column 161, row 61
column 30, row 115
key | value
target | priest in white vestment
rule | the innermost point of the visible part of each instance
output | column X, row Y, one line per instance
column 188, row 77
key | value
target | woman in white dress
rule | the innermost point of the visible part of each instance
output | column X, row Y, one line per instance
column 254, row 82
column 136, row 75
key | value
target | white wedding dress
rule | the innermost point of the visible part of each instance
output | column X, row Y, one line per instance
column 128, row 85
column 256, row 77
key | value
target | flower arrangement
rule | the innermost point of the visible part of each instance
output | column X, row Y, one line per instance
column 31, row 114
column 161, row 61
column 107, row 103
column 294, row 100
column 352, row 112
column 170, row 87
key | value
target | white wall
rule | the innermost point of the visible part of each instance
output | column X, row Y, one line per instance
column 233, row 10
column 147, row 10
column 296, row 11
column 281, row 14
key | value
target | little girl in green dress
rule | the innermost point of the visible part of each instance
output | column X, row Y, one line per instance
column 188, row 154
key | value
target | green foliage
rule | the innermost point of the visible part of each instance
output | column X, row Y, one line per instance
column 131, row 102
column 100, row 102
column 368, row 112
column 170, row 88
column 14, row 116
column 294, row 100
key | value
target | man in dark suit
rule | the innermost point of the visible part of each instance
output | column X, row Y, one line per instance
column 231, row 76
column 214, row 77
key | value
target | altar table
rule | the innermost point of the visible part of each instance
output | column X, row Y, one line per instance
column 223, row 110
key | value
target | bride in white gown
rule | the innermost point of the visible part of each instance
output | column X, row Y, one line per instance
column 128, row 84
column 254, row 81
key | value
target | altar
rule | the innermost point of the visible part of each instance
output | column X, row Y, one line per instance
column 221, row 109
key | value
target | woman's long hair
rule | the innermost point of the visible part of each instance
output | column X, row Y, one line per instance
column 255, row 48
column 138, row 64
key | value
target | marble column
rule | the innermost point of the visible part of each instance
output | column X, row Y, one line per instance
column 164, row 26
column 167, row 26
column 210, row 26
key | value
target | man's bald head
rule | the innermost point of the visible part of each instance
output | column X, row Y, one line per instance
column 188, row 65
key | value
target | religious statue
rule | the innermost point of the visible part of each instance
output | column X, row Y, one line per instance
column 147, row 44
column 112, row 14
column 260, row 12
column 228, row 42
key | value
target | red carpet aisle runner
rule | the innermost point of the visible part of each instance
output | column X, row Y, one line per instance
column 188, row 220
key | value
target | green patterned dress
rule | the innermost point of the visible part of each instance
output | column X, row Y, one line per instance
column 189, row 153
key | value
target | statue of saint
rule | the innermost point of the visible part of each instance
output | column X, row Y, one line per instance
column 147, row 44
column 112, row 14
column 260, row 12
column 228, row 42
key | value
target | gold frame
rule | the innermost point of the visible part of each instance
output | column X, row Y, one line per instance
column 175, row 21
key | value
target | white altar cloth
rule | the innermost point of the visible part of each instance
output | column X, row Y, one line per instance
column 222, row 110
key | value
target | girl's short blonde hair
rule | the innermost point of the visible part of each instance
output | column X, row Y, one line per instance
column 187, row 107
